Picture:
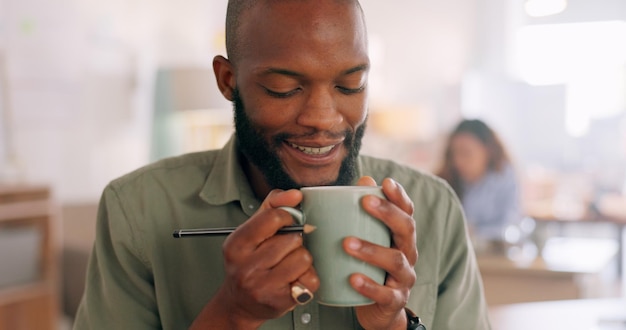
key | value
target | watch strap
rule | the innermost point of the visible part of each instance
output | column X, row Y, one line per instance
column 413, row 321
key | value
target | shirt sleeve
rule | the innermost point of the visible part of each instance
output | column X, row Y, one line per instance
column 119, row 292
column 460, row 299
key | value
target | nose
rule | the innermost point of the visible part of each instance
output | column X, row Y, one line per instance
column 320, row 110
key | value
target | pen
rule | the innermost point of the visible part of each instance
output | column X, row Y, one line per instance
column 306, row 229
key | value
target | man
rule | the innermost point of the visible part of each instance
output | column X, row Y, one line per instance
column 297, row 75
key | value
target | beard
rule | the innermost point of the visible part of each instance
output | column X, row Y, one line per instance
column 262, row 154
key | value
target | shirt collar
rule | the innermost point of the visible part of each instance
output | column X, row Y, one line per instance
column 226, row 181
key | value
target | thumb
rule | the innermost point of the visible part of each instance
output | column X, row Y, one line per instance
column 366, row 181
column 277, row 198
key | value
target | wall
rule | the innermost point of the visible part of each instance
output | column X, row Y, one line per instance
column 81, row 79
column 82, row 75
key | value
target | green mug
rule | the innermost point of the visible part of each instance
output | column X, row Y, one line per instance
column 336, row 212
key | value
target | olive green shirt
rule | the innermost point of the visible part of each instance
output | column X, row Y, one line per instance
column 140, row 277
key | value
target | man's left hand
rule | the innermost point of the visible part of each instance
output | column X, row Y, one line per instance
column 398, row 260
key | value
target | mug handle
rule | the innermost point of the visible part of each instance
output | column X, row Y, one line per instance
column 297, row 215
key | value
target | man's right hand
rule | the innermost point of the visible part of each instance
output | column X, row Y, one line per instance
column 261, row 268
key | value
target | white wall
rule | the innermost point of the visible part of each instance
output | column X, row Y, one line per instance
column 81, row 79
column 81, row 72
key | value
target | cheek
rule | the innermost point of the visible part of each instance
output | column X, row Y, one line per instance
column 481, row 158
column 467, row 164
column 464, row 165
column 354, row 109
column 268, row 115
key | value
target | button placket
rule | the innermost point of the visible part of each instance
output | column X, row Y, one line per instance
column 306, row 317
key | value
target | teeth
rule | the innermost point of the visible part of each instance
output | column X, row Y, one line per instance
column 313, row 151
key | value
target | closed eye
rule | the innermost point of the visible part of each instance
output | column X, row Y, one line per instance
column 281, row 95
column 350, row 91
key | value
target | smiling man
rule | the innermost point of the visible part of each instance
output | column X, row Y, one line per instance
column 299, row 88
column 297, row 73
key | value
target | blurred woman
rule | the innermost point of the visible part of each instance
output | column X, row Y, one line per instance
column 479, row 170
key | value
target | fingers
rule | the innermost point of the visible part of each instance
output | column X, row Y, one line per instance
column 395, row 194
column 382, row 295
column 389, row 298
column 279, row 197
column 310, row 279
column 300, row 294
column 297, row 265
column 303, row 288
column 394, row 212
column 257, row 230
column 277, row 248
column 297, row 271
column 393, row 261
column 266, row 221
column 366, row 181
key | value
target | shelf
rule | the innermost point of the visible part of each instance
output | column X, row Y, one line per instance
column 35, row 304
column 24, row 210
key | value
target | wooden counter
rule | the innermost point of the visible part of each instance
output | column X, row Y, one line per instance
column 507, row 282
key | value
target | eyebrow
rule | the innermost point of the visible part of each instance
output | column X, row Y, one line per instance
column 290, row 73
column 358, row 68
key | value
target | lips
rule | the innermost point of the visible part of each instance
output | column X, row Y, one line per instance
column 312, row 162
column 314, row 150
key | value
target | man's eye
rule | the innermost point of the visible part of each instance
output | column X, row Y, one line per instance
column 350, row 91
column 281, row 95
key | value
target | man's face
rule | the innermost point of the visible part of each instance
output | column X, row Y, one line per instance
column 300, row 97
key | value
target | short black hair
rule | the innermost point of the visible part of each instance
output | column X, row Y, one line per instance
column 234, row 13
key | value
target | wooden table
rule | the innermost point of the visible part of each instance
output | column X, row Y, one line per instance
column 584, row 314
column 507, row 282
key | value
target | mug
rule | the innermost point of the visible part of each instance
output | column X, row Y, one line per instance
column 336, row 211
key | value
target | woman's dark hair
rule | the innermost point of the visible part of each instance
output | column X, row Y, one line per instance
column 498, row 157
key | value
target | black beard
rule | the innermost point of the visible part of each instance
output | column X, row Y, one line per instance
column 262, row 155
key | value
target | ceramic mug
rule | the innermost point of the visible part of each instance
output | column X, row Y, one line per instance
column 337, row 213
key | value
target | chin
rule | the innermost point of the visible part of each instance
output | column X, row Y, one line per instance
column 315, row 178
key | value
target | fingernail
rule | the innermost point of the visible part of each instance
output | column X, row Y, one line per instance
column 373, row 201
column 358, row 281
column 354, row 244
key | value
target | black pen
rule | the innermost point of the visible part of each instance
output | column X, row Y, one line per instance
column 306, row 229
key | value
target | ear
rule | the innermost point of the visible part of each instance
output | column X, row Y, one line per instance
column 225, row 76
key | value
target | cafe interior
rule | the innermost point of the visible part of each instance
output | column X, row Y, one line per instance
column 93, row 89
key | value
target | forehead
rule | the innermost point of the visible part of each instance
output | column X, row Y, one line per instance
column 324, row 34
column 465, row 140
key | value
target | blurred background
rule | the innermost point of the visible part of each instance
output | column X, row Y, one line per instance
column 92, row 89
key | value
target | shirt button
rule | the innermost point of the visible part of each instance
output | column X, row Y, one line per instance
column 305, row 318
column 251, row 206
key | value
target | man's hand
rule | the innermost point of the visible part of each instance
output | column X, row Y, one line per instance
column 398, row 260
column 260, row 269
